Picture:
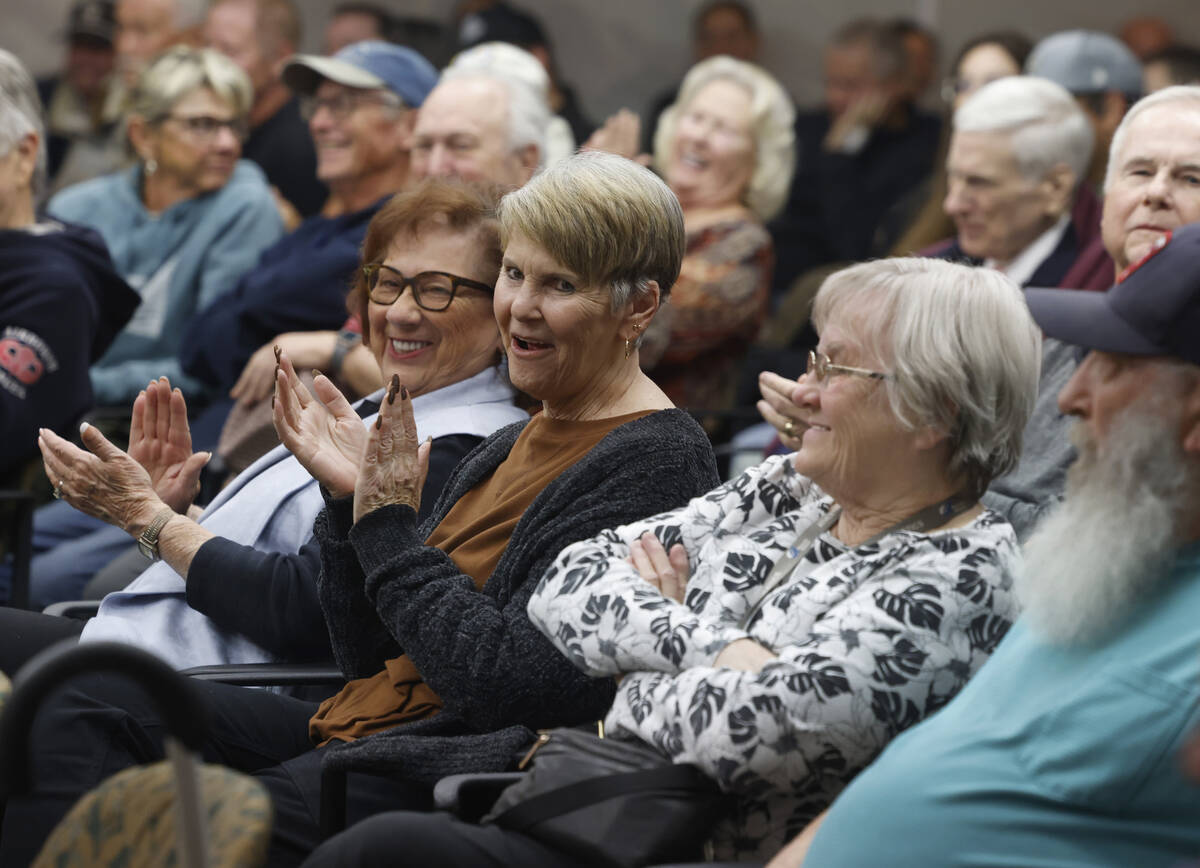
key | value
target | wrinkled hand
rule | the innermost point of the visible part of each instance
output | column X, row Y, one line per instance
column 779, row 406
column 621, row 134
column 305, row 349
column 104, row 482
column 394, row 466
column 160, row 441
column 323, row 433
column 667, row 571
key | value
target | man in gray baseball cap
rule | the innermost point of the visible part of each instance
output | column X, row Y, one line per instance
column 1100, row 72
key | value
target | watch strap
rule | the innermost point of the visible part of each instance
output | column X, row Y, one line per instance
column 147, row 541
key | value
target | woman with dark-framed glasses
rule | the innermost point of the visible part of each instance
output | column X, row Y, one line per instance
column 182, row 224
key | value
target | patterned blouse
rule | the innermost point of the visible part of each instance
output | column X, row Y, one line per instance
column 714, row 312
column 870, row 640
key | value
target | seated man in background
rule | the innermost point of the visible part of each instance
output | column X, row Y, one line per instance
column 856, row 158
column 61, row 300
column 259, row 35
column 1014, row 172
column 360, row 107
column 1063, row 750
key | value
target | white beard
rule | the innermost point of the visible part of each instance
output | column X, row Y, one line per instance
column 1114, row 536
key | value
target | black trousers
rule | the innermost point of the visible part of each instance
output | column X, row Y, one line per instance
column 403, row 839
column 23, row 634
column 105, row 723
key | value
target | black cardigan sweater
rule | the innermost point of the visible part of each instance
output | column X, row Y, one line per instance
column 384, row 592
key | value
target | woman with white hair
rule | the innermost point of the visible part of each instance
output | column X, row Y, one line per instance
column 778, row 631
column 185, row 222
column 726, row 148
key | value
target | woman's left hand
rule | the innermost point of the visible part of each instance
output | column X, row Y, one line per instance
column 667, row 571
column 104, row 482
column 621, row 135
column 393, row 466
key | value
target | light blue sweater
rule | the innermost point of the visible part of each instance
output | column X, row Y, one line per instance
column 179, row 261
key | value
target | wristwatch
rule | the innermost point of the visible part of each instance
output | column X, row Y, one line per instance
column 346, row 341
column 148, row 541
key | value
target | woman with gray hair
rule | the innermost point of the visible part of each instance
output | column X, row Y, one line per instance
column 184, row 223
column 726, row 148
column 779, row 631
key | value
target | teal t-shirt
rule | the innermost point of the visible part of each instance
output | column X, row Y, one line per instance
column 1050, row 757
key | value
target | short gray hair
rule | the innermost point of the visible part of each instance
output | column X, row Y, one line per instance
column 1044, row 122
column 963, row 348
column 772, row 118
column 610, row 221
column 21, row 114
column 1186, row 93
column 180, row 70
column 528, row 111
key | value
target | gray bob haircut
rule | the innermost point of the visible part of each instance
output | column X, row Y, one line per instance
column 607, row 219
column 21, row 114
column 1045, row 124
column 528, row 112
column 772, row 127
column 964, row 351
column 179, row 71
column 1180, row 93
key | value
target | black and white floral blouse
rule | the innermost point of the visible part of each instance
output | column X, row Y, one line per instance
column 870, row 640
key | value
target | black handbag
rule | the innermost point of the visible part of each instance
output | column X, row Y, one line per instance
column 610, row 803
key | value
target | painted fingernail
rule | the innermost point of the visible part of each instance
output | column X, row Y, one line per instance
column 378, row 422
column 277, row 352
column 403, row 392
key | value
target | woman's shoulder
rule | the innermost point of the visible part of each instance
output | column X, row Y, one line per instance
column 986, row 541
column 247, row 186
column 81, row 200
column 660, row 429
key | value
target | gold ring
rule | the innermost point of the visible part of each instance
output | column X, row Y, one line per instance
column 789, row 428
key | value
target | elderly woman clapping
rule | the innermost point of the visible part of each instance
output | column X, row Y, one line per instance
column 780, row 630
column 185, row 222
column 428, row 619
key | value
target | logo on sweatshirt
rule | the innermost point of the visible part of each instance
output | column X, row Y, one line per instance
column 24, row 358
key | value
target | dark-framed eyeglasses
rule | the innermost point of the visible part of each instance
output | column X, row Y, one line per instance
column 820, row 367
column 432, row 290
column 342, row 103
column 204, row 128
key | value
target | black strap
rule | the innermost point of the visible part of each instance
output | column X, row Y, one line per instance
column 582, row 794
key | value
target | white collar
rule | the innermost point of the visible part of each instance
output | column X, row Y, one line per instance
column 1025, row 263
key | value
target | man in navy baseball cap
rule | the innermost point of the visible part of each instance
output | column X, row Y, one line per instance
column 369, row 65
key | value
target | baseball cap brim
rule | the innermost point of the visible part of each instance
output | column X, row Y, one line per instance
column 1087, row 320
column 305, row 72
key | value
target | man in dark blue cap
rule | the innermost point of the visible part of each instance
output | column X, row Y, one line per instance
column 1063, row 750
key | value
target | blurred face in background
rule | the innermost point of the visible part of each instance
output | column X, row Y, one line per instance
column 981, row 65
column 712, row 155
column 724, row 31
column 89, row 64
column 347, row 28
column 232, row 28
column 145, row 28
column 197, row 145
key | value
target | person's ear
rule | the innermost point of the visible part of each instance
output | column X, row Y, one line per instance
column 642, row 308
column 404, row 132
column 140, row 137
column 1059, row 188
column 528, row 157
column 26, row 150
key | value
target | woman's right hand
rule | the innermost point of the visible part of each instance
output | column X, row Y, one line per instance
column 323, row 433
column 779, row 408
column 621, row 135
column 160, row 441
column 667, row 571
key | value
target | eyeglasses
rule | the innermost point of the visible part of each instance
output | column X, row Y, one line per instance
column 204, row 128
column 820, row 367
column 341, row 104
column 432, row 290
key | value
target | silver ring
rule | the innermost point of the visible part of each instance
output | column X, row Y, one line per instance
column 57, row 492
column 789, row 428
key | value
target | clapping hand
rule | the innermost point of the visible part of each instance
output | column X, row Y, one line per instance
column 667, row 571
column 323, row 432
column 393, row 466
column 160, row 441
column 621, row 135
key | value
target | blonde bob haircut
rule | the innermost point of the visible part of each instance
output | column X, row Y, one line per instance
column 181, row 70
column 772, row 117
column 605, row 218
column 963, row 349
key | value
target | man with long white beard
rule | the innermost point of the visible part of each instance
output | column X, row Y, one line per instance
column 1063, row 751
